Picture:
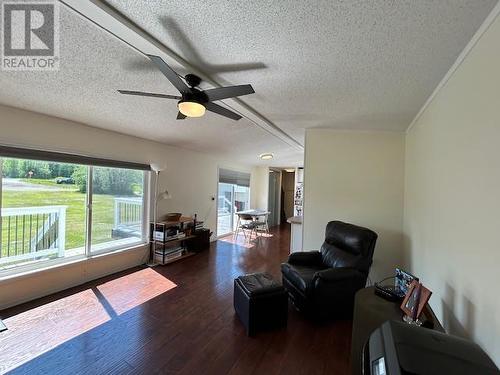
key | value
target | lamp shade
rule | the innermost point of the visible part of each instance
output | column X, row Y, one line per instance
column 158, row 167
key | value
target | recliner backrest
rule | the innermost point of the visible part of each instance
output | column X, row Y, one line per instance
column 348, row 245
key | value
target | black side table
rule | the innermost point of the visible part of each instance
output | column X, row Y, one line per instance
column 370, row 311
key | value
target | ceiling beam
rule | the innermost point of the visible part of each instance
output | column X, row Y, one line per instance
column 124, row 29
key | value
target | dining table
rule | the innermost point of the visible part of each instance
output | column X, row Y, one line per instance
column 256, row 214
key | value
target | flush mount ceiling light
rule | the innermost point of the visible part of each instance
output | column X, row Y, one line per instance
column 266, row 156
column 191, row 109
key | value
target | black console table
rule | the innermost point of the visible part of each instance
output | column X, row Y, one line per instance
column 370, row 311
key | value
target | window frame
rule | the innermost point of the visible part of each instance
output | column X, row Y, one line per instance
column 144, row 235
column 43, row 265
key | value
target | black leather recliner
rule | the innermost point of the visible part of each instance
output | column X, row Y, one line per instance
column 323, row 283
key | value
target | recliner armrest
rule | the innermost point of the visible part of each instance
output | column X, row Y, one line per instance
column 337, row 274
column 338, row 282
column 305, row 258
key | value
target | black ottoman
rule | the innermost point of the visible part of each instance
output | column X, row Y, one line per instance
column 260, row 302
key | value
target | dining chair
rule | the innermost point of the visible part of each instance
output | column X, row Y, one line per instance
column 245, row 223
column 263, row 224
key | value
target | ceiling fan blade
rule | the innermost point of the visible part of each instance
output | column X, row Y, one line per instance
column 229, row 92
column 215, row 108
column 180, row 116
column 140, row 93
column 171, row 75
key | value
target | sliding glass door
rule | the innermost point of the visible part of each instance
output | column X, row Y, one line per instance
column 225, row 209
column 233, row 196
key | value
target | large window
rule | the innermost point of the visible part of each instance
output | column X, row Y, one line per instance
column 51, row 211
column 117, row 207
column 233, row 196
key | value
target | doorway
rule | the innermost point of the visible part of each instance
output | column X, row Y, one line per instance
column 281, row 195
column 288, row 191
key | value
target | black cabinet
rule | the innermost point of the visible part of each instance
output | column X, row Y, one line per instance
column 370, row 311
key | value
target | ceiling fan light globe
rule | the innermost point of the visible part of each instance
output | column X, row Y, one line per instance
column 191, row 109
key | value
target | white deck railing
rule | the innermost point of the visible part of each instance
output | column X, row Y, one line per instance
column 32, row 232
column 128, row 212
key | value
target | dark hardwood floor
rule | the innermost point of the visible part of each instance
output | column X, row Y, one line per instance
column 175, row 319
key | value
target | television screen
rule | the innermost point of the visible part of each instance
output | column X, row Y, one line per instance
column 378, row 367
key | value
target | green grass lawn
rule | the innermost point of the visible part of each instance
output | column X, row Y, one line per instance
column 103, row 210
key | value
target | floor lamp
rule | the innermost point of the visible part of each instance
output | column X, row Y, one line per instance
column 157, row 198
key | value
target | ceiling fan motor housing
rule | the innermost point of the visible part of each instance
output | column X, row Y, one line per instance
column 192, row 80
column 194, row 96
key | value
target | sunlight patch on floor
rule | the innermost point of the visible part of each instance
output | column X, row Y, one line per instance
column 248, row 242
column 132, row 290
column 41, row 329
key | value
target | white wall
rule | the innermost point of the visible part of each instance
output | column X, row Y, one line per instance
column 356, row 177
column 259, row 188
column 191, row 178
column 452, row 198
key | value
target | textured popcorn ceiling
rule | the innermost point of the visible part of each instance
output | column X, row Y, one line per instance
column 339, row 64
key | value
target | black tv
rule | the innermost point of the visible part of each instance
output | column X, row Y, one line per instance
column 397, row 348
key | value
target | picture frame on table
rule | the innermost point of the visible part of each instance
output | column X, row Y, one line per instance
column 415, row 300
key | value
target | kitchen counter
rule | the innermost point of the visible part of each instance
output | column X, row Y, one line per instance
column 296, row 235
column 295, row 220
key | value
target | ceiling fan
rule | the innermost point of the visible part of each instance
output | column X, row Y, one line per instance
column 193, row 101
